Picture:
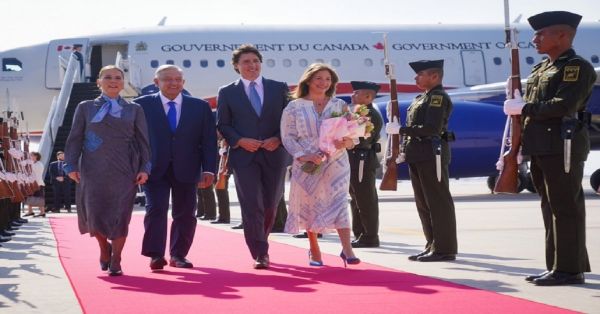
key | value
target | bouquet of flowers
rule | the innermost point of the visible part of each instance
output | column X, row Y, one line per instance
column 355, row 124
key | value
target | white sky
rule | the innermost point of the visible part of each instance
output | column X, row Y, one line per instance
column 26, row 22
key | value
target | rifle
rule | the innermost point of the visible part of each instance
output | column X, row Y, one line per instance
column 222, row 176
column 389, row 182
column 508, row 179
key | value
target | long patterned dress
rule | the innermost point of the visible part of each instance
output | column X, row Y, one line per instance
column 108, row 154
column 319, row 201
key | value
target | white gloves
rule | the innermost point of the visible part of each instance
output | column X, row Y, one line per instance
column 512, row 107
column 392, row 127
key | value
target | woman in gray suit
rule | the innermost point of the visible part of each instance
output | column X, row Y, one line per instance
column 107, row 153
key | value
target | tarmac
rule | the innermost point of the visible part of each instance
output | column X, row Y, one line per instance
column 501, row 240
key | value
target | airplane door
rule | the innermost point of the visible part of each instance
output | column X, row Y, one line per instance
column 473, row 67
column 62, row 48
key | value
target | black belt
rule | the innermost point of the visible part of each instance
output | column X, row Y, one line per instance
column 447, row 136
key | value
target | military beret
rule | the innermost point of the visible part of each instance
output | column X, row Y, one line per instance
column 421, row 65
column 356, row 85
column 550, row 18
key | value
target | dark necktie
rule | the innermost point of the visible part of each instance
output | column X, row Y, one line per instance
column 172, row 116
column 254, row 98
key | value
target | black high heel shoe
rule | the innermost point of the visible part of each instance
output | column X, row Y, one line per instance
column 349, row 260
column 105, row 265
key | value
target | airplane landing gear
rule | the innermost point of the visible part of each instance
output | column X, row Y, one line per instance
column 595, row 181
column 524, row 181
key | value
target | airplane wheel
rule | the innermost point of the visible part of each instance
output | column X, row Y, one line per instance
column 491, row 182
column 595, row 180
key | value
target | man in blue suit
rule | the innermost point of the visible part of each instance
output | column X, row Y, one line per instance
column 183, row 141
column 248, row 115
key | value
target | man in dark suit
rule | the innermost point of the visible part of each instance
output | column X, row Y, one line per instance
column 248, row 115
column 61, row 184
column 183, row 141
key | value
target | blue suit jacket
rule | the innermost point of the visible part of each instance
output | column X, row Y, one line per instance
column 192, row 149
column 236, row 119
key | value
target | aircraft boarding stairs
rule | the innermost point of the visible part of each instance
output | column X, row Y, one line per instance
column 79, row 93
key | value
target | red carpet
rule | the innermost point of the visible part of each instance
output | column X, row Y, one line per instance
column 223, row 281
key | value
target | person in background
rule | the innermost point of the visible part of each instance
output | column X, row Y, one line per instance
column 427, row 153
column 363, row 165
column 61, row 184
column 79, row 57
column 318, row 199
column 38, row 198
column 107, row 155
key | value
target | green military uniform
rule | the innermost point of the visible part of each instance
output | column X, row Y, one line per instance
column 426, row 122
column 558, row 91
column 364, row 200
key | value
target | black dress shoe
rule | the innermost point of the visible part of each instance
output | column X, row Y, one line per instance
column 416, row 256
column 15, row 223
column 115, row 269
column 219, row 221
column 22, row 220
column 180, row 262
column 436, row 257
column 239, row 226
column 157, row 263
column 556, row 278
column 361, row 244
column 305, row 235
column 532, row 277
column 262, row 262
column 207, row 218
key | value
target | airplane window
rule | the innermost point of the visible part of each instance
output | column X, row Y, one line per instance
column 204, row 63
column 154, row 64
column 187, row 63
column 497, row 60
column 595, row 59
column 302, row 62
column 11, row 65
column 287, row 63
column 170, row 62
column 270, row 63
column 335, row 62
column 220, row 63
column 368, row 62
column 529, row 60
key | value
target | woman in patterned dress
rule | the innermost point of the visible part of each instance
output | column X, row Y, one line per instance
column 319, row 199
column 107, row 153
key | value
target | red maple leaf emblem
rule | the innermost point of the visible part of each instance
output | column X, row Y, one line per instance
column 379, row 46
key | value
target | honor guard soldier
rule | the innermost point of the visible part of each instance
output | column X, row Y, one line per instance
column 426, row 150
column 555, row 136
column 363, row 164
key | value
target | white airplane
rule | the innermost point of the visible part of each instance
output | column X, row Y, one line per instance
column 474, row 55
column 476, row 64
